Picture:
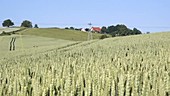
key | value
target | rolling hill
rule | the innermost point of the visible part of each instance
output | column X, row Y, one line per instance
column 120, row 65
column 59, row 34
column 39, row 40
column 129, row 58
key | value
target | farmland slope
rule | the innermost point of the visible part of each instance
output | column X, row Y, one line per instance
column 7, row 30
column 59, row 34
column 124, row 66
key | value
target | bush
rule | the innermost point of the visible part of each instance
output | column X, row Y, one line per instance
column 147, row 32
column 13, row 32
column 26, row 23
column 66, row 28
column 104, row 36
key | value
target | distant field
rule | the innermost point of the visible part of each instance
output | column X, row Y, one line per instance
column 8, row 29
column 39, row 40
column 60, row 34
column 26, row 44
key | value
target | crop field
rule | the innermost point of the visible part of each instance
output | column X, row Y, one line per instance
column 26, row 44
column 121, row 66
column 59, row 34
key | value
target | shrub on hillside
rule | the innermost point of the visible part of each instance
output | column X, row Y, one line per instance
column 104, row 36
column 147, row 32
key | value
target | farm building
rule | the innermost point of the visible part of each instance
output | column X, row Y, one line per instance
column 96, row 29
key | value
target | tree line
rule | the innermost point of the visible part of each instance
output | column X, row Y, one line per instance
column 25, row 23
column 120, row 30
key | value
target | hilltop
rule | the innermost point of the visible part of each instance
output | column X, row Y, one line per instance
column 37, row 40
column 59, row 33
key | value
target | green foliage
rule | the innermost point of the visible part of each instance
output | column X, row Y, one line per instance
column 136, row 31
column 87, row 29
column 66, row 28
column 7, row 23
column 147, row 32
column 72, row 28
column 104, row 36
column 104, row 30
column 122, row 30
column 36, row 26
column 26, row 23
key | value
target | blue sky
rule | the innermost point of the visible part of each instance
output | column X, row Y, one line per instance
column 146, row 15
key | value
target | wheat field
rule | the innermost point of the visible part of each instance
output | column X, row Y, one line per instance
column 121, row 66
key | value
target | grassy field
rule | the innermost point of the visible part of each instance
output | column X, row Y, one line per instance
column 121, row 66
column 60, row 34
column 26, row 44
column 8, row 29
column 40, row 40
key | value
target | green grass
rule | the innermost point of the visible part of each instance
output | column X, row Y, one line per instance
column 59, row 34
column 33, row 41
column 26, row 44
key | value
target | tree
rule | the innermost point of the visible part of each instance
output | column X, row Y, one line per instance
column 104, row 30
column 77, row 29
column 118, row 30
column 111, row 29
column 136, row 31
column 87, row 29
column 36, row 26
column 7, row 23
column 72, row 28
column 66, row 28
column 147, row 32
column 26, row 23
column 122, row 30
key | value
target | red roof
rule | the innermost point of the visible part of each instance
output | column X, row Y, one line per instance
column 97, row 29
